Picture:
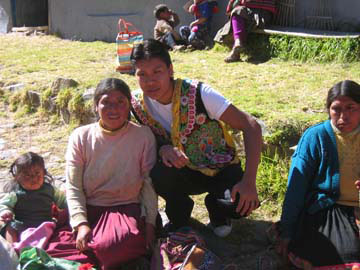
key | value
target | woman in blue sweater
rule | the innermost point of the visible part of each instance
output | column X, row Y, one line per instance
column 320, row 218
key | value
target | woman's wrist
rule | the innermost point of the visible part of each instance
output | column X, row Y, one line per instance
column 85, row 223
column 162, row 149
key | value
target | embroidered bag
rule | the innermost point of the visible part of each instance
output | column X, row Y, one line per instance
column 125, row 41
column 184, row 250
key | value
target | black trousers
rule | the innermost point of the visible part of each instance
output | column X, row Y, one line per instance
column 328, row 237
column 175, row 185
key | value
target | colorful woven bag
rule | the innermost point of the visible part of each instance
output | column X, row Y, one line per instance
column 125, row 41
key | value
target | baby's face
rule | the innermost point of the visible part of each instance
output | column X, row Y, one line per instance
column 31, row 178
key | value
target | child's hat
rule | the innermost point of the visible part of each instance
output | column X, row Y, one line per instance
column 159, row 8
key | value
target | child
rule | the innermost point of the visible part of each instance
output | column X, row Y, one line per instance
column 164, row 30
column 29, row 199
column 318, row 225
column 198, row 33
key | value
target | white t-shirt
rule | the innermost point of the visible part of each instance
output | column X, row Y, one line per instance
column 215, row 105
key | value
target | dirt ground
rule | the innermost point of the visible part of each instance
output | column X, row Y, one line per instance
column 246, row 248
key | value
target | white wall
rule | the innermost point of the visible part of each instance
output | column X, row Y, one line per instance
column 90, row 20
column 97, row 19
column 5, row 16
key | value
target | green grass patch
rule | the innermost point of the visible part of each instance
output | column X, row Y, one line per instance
column 323, row 50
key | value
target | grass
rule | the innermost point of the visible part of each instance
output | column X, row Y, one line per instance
column 315, row 50
column 288, row 96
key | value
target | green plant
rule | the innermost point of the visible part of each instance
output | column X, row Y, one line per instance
column 63, row 97
column 77, row 107
column 16, row 99
column 287, row 132
column 46, row 94
column 272, row 178
column 315, row 49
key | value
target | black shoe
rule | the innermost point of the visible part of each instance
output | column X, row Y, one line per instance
column 228, row 207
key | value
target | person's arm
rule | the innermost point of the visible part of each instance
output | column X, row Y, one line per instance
column 75, row 195
column 239, row 120
column 175, row 18
column 304, row 166
column 229, row 7
column 77, row 206
column 7, row 204
column 198, row 21
column 301, row 173
column 60, row 198
column 148, row 197
column 149, row 200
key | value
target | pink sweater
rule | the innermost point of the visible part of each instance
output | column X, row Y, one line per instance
column 107, row 168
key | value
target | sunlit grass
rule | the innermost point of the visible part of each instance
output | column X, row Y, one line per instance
column 288, row 96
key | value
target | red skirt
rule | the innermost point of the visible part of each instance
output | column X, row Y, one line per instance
column 117, row 237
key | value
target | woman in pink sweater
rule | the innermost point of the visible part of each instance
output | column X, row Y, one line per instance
column 108, row 189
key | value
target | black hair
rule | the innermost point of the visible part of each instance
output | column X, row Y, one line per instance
column 24, row 162
column 111, row 84
column 150, row 48
column 158, row 9
column 344, row 88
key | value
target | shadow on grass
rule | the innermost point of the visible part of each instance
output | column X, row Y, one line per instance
column 247, row 247
column 258, row 51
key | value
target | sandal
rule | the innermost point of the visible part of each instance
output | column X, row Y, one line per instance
column 234, row 55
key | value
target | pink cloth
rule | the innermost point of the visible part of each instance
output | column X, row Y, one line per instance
column 117, row 237
column 35, row 237
column 239, row 29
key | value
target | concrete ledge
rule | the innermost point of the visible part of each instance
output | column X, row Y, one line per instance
column 30, row 28
column 307, row 33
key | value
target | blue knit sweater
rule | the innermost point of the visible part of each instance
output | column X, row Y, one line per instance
column 313, row 182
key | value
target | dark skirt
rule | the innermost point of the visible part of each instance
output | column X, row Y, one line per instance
column 117, row 237
column 327, row 238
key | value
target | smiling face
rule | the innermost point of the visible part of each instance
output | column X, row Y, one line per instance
column 345, row 114
column 113, row 109
column 31, row 178
column 155, row 79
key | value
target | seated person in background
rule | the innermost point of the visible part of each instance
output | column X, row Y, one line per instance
column 164, row 30
column 198, row 32
column 244, row 16
column 196, row 152
column 107, row 185
column 320, row 218
column 29, row 198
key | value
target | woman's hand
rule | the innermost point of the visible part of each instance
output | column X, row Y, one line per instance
column 357, row 184
column 11, row 235
column 249, row 200
column 149, row 235
column 83, row 237
column 7, row 216
column 172, row 156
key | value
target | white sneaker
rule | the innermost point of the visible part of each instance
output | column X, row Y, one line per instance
column 222, row 230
